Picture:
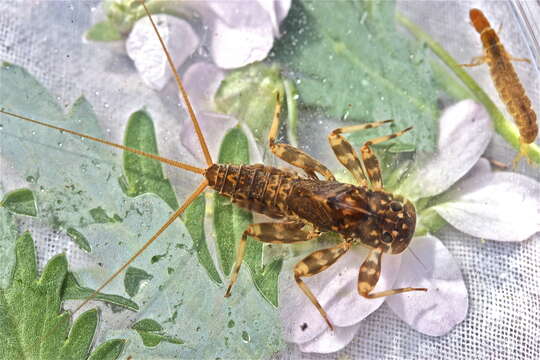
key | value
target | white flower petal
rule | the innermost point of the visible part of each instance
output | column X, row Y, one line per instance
column 282, row 8
column 145, row 50
column 465, row 130
column 213, row 126
column 336, row 290
column 500, row 206
column 240, row 34
column 277, row 10
column 347, row 307
column 331, row 341
column 427, row 263
column 202, row 80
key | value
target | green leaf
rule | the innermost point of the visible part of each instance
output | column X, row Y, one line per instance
column 31, row 326
column 194, row 219
column 249, row 94
column 230, row 222
column 20, row 201
column 109, row 350
column 351, row 61
column 79, row 239
column 73, row 291
column 133, row 279
column 8, row 232
column 99, row 215
column 103, row 31
column 79, row 176
column 122, row 14
column 151, row 333
column 145, row 175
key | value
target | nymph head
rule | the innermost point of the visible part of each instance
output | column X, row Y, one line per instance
column 377, row 219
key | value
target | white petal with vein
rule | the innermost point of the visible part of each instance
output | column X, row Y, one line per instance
column 500, row 206
column 465, row 130
column 427, row 263
column 331, row 341
column 240, row 35
column 336, row 290
column 146, row 52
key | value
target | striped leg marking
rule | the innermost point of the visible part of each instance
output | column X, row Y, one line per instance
column 368, row 277
column 315, row 263
column 293, row 155
column 275, row 233
column 346, row 154
column 371, row 163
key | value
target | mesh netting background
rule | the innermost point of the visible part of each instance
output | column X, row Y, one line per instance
column 503, row 279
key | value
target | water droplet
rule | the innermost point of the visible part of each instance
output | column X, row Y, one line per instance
column 106, row 105
column 33, row 132
column 296, row 97
column 31, row 179
column 245, row 337
column 298, row 81
column 1, row 126
column 97, row 93
column 60, row 144
column 346, row 115
column 382, row 98
column 230, row 324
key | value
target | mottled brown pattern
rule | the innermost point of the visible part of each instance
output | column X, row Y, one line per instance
column 347, row 156
column 309, row 206
column 274, row 233
column 294, row 156
column 361, row 214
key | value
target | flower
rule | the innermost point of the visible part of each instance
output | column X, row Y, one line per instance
column 237, row 35
column 468, row 205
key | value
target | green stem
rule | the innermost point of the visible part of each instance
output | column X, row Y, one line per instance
column 291, row 94
column 429, row 223
column 507, row 129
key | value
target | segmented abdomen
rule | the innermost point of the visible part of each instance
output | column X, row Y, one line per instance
column 258, row 188
column 510, row 89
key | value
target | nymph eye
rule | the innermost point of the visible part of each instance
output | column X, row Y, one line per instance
column 396, row 206
column 387, row 238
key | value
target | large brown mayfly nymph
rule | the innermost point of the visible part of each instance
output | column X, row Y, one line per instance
column 306, row 206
